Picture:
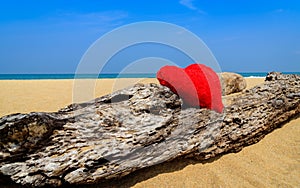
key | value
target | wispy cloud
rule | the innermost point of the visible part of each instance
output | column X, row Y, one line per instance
column 297, row 52
column 93, row 18
column 190, row 4
column 279, row 10
column 232, row 38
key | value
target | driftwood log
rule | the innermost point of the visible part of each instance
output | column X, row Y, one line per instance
column 135, row 128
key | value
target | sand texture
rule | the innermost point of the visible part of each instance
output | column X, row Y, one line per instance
column 273, row 162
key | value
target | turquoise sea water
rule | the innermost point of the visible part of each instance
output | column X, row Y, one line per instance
column 87, row 76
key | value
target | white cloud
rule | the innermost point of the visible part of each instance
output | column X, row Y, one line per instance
column 94, row 17
column 297, row 52
column 279, row 10
column 232, row 38
column 188, row 3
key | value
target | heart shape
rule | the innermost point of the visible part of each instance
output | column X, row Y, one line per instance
column 198, row 85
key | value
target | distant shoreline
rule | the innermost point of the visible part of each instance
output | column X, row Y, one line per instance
column 107, row 76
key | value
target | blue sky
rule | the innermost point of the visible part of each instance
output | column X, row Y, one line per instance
column 51, row 36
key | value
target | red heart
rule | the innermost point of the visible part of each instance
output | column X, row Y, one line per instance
column 197, row 84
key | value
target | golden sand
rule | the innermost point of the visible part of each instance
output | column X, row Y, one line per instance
column 24, row 96
column 273, row 162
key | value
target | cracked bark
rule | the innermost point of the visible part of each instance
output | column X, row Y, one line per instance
column 135, row 128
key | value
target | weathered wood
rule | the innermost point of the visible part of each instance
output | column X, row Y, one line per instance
column 135, row 128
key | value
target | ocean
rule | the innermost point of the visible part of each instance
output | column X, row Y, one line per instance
column 89, row 76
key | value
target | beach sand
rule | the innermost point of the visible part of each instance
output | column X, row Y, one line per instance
column 272, row 162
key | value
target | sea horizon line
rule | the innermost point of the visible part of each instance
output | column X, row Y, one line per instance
column 41, row 76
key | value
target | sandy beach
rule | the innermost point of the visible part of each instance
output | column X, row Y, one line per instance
column 273, row 162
